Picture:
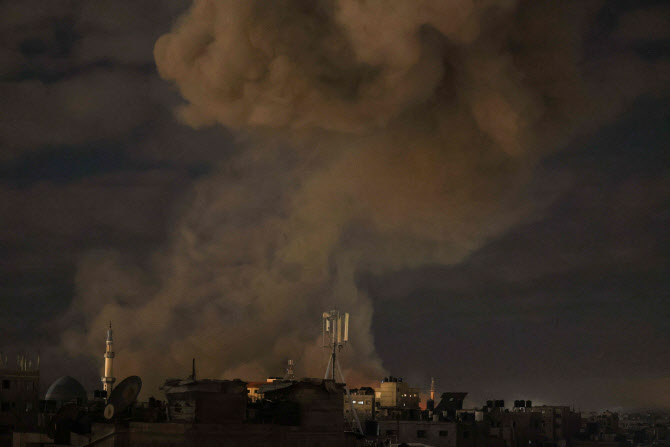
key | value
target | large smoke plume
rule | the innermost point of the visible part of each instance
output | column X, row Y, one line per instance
column 377, row 135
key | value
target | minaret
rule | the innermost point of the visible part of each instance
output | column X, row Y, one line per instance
column 432, row 388
column 108, row 380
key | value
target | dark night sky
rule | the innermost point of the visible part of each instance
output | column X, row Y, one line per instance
column 509, row 260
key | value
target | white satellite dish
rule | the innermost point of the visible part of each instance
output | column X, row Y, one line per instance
column 109, row 411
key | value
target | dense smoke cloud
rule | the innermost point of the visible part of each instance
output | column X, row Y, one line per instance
column 376, row 135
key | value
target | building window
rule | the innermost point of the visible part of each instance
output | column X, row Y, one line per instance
column 5, row 384
column 444, row 433
column 466, row 434
column 390, row 432
column 421, row 434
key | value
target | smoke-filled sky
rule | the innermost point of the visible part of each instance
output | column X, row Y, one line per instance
column 482, row 184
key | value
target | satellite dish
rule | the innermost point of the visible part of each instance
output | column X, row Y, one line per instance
column 123, row 396
column 109, row 411
column 63, row 419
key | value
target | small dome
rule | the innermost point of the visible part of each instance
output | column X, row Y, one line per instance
column 66, row 389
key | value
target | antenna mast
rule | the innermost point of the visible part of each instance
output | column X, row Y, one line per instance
column 192, row 376
column 335, row 336
column 290, row 374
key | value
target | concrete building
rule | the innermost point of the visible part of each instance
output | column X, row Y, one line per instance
column 206, row 401
column 139, row 434
column 450, row 404
column 364, row 403
column 19, row 399
column 595, row 425
column 394, row 393
column 252, row 391
column 19, row 390
column 436, row 434
column 319, row 403
column 560, row 423
column 293, row 413
column 255, row 389
column 518, row 428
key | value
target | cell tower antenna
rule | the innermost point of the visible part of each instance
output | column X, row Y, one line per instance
column 335, row 337
column 192, row 376
column 290, row 366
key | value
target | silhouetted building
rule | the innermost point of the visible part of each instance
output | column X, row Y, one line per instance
column 255, row 389
column 559, row 422
column 19, row 399
column 292, row 413
column 450, row 403
column 206, row 401
column 517, row 428
column 396, row 399
column 437, row 434
column 363, row 401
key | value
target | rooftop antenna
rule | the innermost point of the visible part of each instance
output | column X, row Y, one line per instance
column 289, row 370
column 335, row 336
column 192, row 376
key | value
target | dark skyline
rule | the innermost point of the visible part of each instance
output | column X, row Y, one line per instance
column 483, row 186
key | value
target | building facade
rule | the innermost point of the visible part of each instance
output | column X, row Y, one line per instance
column 363, row 401
column 559, row 422
column 394, row 393
column 19, row 400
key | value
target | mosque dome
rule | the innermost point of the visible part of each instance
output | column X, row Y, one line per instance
column 66, row 389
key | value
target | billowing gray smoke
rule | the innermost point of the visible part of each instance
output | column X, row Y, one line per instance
column 377, row 135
